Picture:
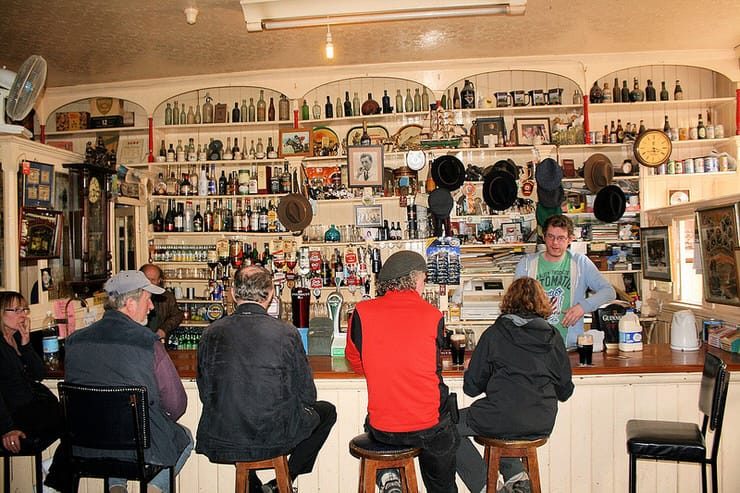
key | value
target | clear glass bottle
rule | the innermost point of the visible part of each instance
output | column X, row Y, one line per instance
column 316, row 111
column 190, row 116
column 252, row 115
column 260, row 149
column 243, row 111
column 198, row 118
column 284, row 108
column 339, row 108
column 356, row 105
column 208, row 109
column 261, row 107
column 409, row 103
column 399, row 101
column 417, row 100
column 176, row 114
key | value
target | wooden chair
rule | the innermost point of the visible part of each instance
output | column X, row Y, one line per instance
column 374, row 455
column 279, row 464
column 526, row 450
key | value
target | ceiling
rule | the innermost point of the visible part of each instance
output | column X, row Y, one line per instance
column 102, row 41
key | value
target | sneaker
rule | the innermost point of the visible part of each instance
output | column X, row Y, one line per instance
column 389, row 481
column 271, row 487
column 519, row 483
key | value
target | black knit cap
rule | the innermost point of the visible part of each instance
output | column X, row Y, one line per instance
column 401, row 264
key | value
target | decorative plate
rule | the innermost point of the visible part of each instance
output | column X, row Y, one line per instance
column 325, row 142
column 378, row 135
column 416, row 160
column 408, row 137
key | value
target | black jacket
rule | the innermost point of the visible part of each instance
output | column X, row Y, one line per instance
column 256, row 388
column 522, row 366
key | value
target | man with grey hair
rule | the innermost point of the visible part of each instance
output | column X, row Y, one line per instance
column 257, row 389
column 119, row 349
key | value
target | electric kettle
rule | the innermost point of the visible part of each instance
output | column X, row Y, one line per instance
column 684, row 334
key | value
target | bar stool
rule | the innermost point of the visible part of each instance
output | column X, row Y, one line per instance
column 526, row 450
column 279, row 464
column 30, row 449
column 374, row 455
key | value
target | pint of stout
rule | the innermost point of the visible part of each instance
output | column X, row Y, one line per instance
column 457, row 347
column 585, row 349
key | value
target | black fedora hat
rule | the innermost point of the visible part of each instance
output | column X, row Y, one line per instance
column 549, row 174
column 509, row 166
column 551, row 198
column 609, row 204
column 448, row 172
column 294, row 212
column 499, row 190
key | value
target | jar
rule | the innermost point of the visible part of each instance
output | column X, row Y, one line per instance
column 405, row 180
column 683, row 133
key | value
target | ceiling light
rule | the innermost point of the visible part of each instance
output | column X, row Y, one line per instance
column 283, row 14
column 191, row 14
column 329, row 44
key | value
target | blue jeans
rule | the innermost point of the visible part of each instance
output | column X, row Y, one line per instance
column 162, row 480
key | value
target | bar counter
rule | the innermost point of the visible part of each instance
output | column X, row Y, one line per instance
column 654, row 358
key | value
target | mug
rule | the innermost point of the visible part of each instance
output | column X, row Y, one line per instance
column 519, row 98
column 537, row 97
column 555, row 95
column 503, row 99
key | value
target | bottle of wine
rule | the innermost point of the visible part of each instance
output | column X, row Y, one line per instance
column 678, row 92
column 158, row 221
column 468, row 95
column 663, row 91
column 328, row 108
column 365, row 138
column 650, row 91
column 347, row 105
column 197, row 114
column 236, row 113
column 261, row 107
column 701, row 130
column 616, row 92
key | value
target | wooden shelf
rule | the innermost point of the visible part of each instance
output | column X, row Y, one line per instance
column 654, row 105
column 217, row 197
column 92, row 131
column 222, row 234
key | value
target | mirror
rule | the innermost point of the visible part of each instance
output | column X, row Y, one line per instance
column 124, row 249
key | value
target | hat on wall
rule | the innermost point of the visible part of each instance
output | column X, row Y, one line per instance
column 130, row 280
column 499, row 189
column 549, row 174
column 543, row 213
column 440, row 202
column 401, row 264
column 509, row 166
column 294, row 212
column 551, row 198
column 609, row 204
column 598, row 172
column 448, row 172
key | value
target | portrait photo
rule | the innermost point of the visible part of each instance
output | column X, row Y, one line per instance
column 46, row 280
column 656, row 253
column 365, row 166
column 532, row 131
column 369, row 216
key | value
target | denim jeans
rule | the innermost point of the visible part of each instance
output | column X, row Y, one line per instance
column 162, row 480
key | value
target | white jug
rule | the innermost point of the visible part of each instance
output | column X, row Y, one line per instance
column 684, row 333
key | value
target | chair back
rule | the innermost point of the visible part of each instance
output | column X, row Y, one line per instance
column 715, row 382
column 106, row 417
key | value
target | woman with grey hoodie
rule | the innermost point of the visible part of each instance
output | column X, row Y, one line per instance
column 521, row 364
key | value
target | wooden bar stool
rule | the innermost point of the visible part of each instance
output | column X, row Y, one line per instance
column 522, row 449
column 279, row 464
column 374, row 455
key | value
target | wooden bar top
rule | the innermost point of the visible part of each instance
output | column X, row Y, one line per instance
column 654, row 358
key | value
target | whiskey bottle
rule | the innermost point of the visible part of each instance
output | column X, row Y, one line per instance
column 663, row 91
column 316, row 110
column 271, row 154
column 339, row 107
column 285, row 179
column 596, row 95
column 650, row 91
column 275, row 177
column 284, row 108
column 678, row 92
column 197, row 220
column 355, row 105
column 636, row 95
column 207, row 110
column 271, row 111
column 625, row 92
column 606, row 94
column 613, row 134
column 425, row 100
column 261, row 107
column 616, row 92
column 243, row 111
column 347, row 105
column 252, row 116
column 168, row 114
column 386, row 102
column 468, row 95
column 417, row 100
column 399, row 101
column 365, row 138
column 163, row 150
column 208, row 218
column 236, row 113
column 305, row 115
column 409, row 104
column 701, row 130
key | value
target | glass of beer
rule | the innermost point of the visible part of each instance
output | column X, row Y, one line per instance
column 457, row 348
column 585, row 349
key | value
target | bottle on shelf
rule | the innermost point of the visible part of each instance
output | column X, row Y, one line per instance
column 425, row 100
column 271, row 110
column 365, row 138
column 456, row 99
column 332, row 235
column 252, row 153
column 202, row 153
column 399, row 101
column 260, row 149
column 620, row 131
column 197, row 220
column 207, row 109
column 50, row 343
column 163, row 151
column 274, row 178
column 677, row 91
column 666, row 126
column 172, row 184
column 208, row 217
column 417, row 100
column 650, row 91
column 175, row 114
column 305, row 115
column 222, row 183
column 236, row 153
column 227, row 155
column 701, row 130
column 596, row 95
column 197, row 114
column 191, row 155
column 386, row 102
column 158, row 221
column 613, row 134
column 663, row 91
column 169, row 218
column 616, row 92
column 243, row 111
column 253, row 185
column 185, row 188
column 328, row 108
column 339, row 108
column 261, row 107
column 217, row 218
column 316, row 110
column 625, row 92
column 187, row 217
column 642, row 127
column 168, row 114
column 179, row 216
column 467, row 95
column 190, row 118
column 347, row 105
column 251, row 111
column 183, row 116
column 271, row 153
column 284, row 108
column 606, row 94
column 355, row 105
column 710, row 131
column 636, row 95
column 179, row 151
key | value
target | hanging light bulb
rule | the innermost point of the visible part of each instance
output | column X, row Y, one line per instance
column 329, row 44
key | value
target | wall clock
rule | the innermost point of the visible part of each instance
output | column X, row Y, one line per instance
column 652, row 148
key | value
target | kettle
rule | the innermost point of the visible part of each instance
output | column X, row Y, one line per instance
column 684, row 334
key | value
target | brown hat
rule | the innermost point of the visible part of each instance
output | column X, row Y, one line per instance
column 598, row 172
column 294, row 212
column 401, row 264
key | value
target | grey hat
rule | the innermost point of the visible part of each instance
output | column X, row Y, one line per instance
column 551, row 198
column 401, row 264
column 130, row 280
column 549, row 174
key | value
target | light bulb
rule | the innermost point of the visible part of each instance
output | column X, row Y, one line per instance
column 329, row 44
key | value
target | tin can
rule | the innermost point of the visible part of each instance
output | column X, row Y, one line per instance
column 688, row 166
column 683, row 133
column 678, row 167
column 698, row 165
column 711, row 164
column 660, row 170
column 710, row 132
column 724, row 163
column 709, row 325
column 670, row 167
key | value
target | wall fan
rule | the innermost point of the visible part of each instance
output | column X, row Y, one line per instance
column 18, row 93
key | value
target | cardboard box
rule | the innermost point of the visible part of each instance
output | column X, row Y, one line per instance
column 72, row 120
column 106, row 107
column 106, row 121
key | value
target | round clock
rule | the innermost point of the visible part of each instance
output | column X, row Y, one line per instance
column 652, row 148
column 93, row 191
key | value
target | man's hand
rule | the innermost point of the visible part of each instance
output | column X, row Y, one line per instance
column 573, row 315
column 12, row 440
column 161, row 334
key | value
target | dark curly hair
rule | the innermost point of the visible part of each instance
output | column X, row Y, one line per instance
column 526, row 295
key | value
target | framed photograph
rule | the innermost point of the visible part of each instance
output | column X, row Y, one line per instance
column 491, row 131
column 656, row 253
column 41, row 233
column 369, row 216
column 38, row 189
column 532, row 131
column 131, row 150
column 718, row 239
column 511, row 232
column 365, row 166
column 679, row 196
column 295, row 142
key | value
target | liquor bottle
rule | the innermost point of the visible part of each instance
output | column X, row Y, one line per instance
column 650, row 91
column 701, row 130
column 606, row 94
column 386, row 230
column 212, row 183
column 207, row 110
column 612, row 134
column 168, row 114
column 197, row 114
column 179, row 213
column 620, row 131
column 284, row 107
column 275, row 179
column 252, row 154
column 365, row 138
column 271, row 153
column 185, row 185
column 252, row 111
column 187, row 217
column 625, row 92
column 179, row 151
column 285, row 179
column 254, row 223
column 386, row 102
column 347, row 105
column 271, row 217
column 596, row 94
column 455, row 99
column 417, row 100
column 636, row 94
column 176, row 115
column 605, row 138
column 261, row 225
column 253, row 185
column 399, row 101
column 468, row 95
column 236, row 153
column 261, row 107
column 230, row 185
column 260, row 149
column 227, row 216
column 158, row 221
column 191, row 155
column 226, row 153
column 340, row 108
column 162, row 150
column 243, row 112
column 678, row 92
column 616, row 92
column 197, row 220
column 305, row 115
column 328, row 108
column 356, row 105
column 217, row 219
column 50, row 343
column 208, row 218
column 316, row 110
column 667, row 126
column 173, row 186
column 271, row 110
column 222, row 183
column 202, row 153
column 425, row 100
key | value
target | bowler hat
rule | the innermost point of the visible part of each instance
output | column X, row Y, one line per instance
column 598, row 172
column 549, row 174
column 499, row 189
column 448, row 172
column 509, row 166
column 551, row 198
column 294, row 212
column 609, row 204
column 440, row 202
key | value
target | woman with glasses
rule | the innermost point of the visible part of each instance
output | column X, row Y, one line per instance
column 29, row 412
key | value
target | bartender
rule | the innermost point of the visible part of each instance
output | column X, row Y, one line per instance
column 166, row 315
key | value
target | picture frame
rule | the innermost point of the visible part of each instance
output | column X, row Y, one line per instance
column 511, row 232
column 40, row 233
column 38, row 186
column 488, row 131
column 532, row 131
column 718, row 238
column 656, row 253
column 295, row 142
column 369, row 216
column 365, row 165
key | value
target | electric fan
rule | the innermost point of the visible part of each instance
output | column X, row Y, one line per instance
column 18, row 93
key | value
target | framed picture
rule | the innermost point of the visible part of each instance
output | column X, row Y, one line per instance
column 511, row 232
column 41, row 233
column 369, row 216
column 38, row 189
column 491, row 131
column 295, row 142
column 365, row 166
column 679, row 196
column 718, row 239
column 656, row 253
column 532, row 131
